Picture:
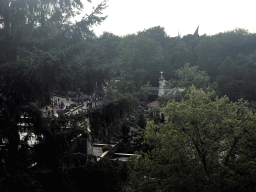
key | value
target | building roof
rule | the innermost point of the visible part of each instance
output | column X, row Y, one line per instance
column 173, row 91
column 169, row 92
column 154, row 104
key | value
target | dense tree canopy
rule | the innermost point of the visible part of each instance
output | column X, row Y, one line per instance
column 236, row 77
column 33, row 63
column 141, row 55
column 190, row 75
column 207, row 144
column 199, row 149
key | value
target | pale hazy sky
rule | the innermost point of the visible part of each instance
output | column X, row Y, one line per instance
column 130, row 16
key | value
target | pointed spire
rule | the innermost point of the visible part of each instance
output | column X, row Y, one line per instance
column 196, row 32
column 178, row 34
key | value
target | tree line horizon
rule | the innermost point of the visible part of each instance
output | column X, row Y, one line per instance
column 208, row 144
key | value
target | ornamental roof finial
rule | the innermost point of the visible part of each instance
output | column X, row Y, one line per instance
column 161, row 78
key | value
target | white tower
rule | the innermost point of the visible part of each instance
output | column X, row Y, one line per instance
column 161, row 85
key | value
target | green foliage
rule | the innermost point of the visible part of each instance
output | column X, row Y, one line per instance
column 156, row 33
column 208, row 55
column 44, row 47
column 156, row 117
column 33, row 65
column 236, row 41
column 102, row 118
column 47, row 15
column 14, row 85
column 181, row 53
column 237, row 77
column 207, row 144
column 190, row 75
column 18, row 93
column 141, row 122
column 141, row 54
column 139, row 131
column 23, row 180
column 125, row 132
column 107, row 45
column 56, row 144
column 110, row 176
column 200, row 144
column 162, row 119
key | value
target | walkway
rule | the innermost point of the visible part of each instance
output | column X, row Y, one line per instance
column 74, row 110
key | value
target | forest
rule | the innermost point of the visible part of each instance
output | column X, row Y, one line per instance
column 207, row 144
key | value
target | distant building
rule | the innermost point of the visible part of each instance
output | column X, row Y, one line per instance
column 161, row 91
column 161, row 86
column 154, row 92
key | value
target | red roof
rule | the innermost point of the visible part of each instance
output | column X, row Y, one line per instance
column 154, row 104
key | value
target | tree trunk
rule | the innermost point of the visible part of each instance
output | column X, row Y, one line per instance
column 13, row 139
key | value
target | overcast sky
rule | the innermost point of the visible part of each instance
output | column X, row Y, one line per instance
column 130, row 16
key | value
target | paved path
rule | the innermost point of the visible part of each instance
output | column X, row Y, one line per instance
column 49, row 107
column 66, row 103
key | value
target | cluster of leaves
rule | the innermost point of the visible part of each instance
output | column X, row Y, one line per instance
column 206, row 138
column 105, row 119
column 44, row 42
column 192, row 76
column 42, row 51
column 223, row 58
column 201, row 148
column 102, row 175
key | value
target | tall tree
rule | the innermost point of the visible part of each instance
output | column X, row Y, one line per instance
column 190, row 75
column 156, row 33
column 17, row 90
column 47, row 24
column 180, row 54
column 40, row 65
column 199, row 145
column 236, row 77
column 43, row 12
column 234, row 42
column 208, row 53
column 141, row 54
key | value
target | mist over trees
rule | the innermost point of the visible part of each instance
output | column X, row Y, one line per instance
column 69, row 55
column 208, row 144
